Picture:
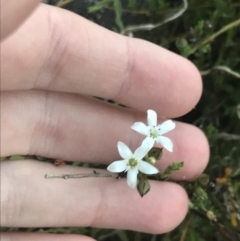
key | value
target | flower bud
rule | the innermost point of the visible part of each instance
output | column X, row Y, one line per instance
column 156, row 152
column 152, row 160
column 143, row 187
column 204, row 179
column 211, row 216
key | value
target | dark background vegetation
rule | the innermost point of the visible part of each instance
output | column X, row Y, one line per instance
column 208, row 34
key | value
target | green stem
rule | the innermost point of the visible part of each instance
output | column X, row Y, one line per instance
column 215, row 35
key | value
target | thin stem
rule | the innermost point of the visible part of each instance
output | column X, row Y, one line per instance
column 149, row 26
column 72, row 176
column 62, row 3
column 108, row 235
column 167, row 11
column 221, row 68
column 185, row 230
column 229, row 137
column 215, row 35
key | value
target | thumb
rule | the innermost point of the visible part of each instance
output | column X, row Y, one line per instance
column 13, row 13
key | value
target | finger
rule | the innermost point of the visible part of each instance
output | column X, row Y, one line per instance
column 13, row 13
column 92, row 60
column 29, row 200
column 17, row 236
column 72, row 127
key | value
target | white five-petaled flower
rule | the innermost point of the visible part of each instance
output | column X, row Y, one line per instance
column 132, row 163
column 154, row 132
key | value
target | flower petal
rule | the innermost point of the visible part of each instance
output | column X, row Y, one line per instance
column 140, row 128
column 118, row 166
column 124, row 150
column 132, row 177
column 165, row 142
column 166, row 126
column 142, row 150
column 147, row 168
column 152, row 118
column 148, row 140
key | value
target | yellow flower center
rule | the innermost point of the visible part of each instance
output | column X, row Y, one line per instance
column 154, row 133
column 132, row 162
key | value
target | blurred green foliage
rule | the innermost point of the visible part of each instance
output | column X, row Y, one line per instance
column 208, row 34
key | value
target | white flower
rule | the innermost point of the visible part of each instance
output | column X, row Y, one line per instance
column 154, row 132
column 132, row 163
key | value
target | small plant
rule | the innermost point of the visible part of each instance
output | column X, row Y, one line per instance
column 140, row 164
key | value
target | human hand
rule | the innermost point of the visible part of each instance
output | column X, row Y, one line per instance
column 50, row 68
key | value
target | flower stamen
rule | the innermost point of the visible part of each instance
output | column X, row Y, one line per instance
column 132, row 162
column 154, row 133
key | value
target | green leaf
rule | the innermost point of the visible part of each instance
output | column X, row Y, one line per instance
column 98, row 6
column 118, row 13
column 175, row 166
column 122, row 236
column 152, row 5
column 238, row 111
column 236, row 173
column 199, row 194
column 132, row 3
column 143, row 187
column 183, row 46
column 16, row 158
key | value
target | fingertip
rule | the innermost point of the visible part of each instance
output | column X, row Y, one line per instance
column 168, row 83
column 169, row 207
column 191, row 147
column 159, row 211
column 184, row 88
column 192, row 85
column 200, row 153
